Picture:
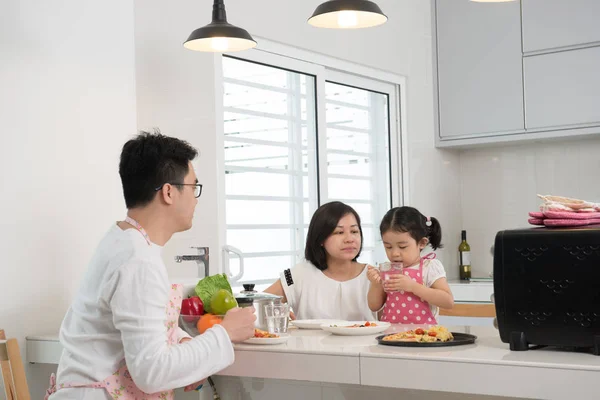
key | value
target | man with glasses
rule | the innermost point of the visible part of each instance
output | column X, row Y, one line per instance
column 120, row 335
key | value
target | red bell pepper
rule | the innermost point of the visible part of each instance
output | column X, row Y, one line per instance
column 192, row 306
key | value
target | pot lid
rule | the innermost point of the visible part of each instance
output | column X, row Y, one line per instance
column 249, row 294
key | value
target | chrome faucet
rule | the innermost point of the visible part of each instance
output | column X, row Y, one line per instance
column 202, row 258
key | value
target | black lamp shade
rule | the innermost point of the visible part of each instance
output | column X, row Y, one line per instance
column 347, row 14
column 219, row 35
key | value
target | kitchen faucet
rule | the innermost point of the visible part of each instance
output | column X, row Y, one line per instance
column 202, row 258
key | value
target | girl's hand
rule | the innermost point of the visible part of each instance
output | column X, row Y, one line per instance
column 399, row 282
column 373, row 275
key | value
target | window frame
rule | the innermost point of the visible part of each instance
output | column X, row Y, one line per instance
column 323, row 69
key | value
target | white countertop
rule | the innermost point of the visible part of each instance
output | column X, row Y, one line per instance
column 485, row 367
column 488, row 349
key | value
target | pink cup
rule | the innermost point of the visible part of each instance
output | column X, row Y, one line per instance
column 388, row 269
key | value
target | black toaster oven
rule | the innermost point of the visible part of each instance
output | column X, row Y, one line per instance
column 547, row 287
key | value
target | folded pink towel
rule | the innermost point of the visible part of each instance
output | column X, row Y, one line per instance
column 571, row 215
column 551, row 223
column 556, row 211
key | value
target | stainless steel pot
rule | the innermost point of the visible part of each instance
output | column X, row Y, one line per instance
column 250, row 297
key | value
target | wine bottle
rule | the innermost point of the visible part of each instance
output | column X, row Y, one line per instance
column 464, row 251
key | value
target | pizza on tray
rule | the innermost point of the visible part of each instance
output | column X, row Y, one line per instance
column 432, row 334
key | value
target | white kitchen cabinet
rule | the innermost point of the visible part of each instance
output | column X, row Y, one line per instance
column 553, row 24
column 563, row 89
column 472, row 292
column 479, row 68
column 517, row 71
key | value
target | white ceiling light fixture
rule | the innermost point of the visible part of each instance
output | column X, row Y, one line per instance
column 219, row 36
column 347, row 14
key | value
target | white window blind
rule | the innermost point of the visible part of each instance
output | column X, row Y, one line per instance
column 297, row 136
column 357, row 156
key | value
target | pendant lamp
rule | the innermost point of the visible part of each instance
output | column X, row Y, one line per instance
column 219, row 36
column 347, row 14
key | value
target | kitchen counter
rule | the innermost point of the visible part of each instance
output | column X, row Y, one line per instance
column 487, row 367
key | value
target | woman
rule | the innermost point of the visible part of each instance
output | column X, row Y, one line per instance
column 330, row 283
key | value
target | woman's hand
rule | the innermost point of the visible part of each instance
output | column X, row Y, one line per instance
column 399, row 282
column 373, row 275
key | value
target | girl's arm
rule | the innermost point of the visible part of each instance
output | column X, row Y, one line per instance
column 376, row 296
column 439, row 294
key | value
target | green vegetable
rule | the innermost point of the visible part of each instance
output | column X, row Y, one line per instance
column 209, row 286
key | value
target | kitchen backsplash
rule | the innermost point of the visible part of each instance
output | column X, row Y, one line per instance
column 499, row 187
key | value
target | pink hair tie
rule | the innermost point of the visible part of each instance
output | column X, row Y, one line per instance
column 428, row 223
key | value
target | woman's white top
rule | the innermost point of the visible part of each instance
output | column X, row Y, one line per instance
column 313, row 295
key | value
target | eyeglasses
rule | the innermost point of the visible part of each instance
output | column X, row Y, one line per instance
column 197, row 187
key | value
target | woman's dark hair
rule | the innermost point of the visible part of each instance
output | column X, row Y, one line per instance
column 322, row 224
column 150, row 160
column 410, row 220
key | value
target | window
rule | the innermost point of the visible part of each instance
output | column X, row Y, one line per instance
column 297, row 135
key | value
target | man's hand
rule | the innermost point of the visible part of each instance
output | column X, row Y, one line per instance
column 239, row 323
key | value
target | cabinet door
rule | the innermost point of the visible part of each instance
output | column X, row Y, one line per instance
column 563, row 89
column 549, row 24
column 479, row 66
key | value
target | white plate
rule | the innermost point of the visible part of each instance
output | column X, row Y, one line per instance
column 314, row 323
column 281, row 339
column 344, row 330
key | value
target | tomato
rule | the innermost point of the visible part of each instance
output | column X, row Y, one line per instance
column 433, row 334
column 367, row 323
column 419, row 331
column 222, row 301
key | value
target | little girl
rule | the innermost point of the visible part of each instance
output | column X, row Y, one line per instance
column 415, row 295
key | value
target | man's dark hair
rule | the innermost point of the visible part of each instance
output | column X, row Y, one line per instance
column 150, row 160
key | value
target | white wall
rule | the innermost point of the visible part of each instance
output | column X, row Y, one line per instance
column 499, row 187
column 176, row 93
column 67, row 105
